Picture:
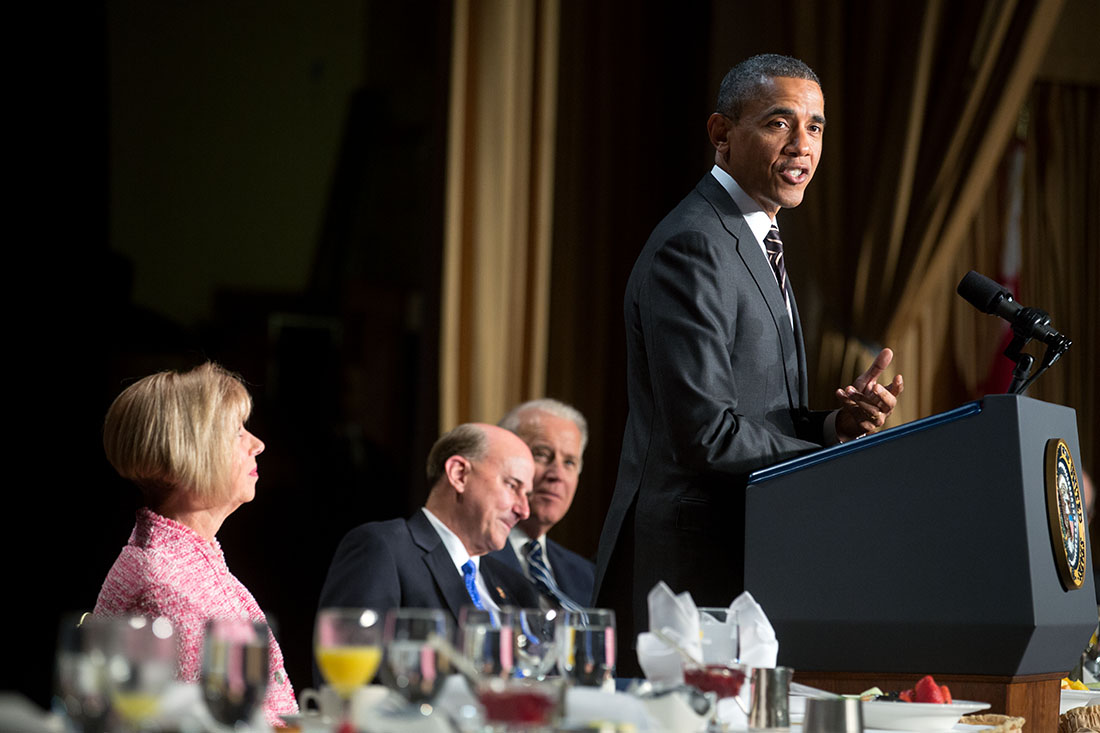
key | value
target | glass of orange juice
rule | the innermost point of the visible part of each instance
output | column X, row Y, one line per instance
column 348, row 647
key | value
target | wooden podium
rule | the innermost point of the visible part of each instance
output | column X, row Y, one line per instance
column 925, row 549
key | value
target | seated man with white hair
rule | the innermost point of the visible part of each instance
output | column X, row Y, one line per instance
column 557, row 434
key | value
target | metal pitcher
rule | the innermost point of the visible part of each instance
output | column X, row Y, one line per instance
column 769, row 709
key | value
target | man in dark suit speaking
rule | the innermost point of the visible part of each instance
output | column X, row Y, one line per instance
column 716, row 366
column 480, row 478
column 557, row 434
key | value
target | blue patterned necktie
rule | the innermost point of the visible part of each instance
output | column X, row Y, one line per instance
column 544, row 581
column 469, row 574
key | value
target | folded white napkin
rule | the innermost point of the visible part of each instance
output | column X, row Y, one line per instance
column 759, row 647
column 677, row 618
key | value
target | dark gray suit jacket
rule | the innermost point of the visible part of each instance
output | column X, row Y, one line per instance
column 716, row 384
column 404, row 563
column 573, row 573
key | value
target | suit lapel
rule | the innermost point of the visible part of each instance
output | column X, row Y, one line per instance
column 447, row 579
column 498, row 588
column 761, row 271
column 562, row 575
column 508, row 557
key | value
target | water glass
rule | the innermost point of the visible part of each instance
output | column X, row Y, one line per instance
column 586, row 646
column 80, row 672
column 720, row 636
column 412, row 667
column 485, row 640
column 535, row 652
column 234, row 670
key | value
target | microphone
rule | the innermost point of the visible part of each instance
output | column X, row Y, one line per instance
column 989, row 297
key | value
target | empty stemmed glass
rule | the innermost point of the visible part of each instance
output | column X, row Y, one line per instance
column 535, row 652
column 234, row 670
column 142, row 659
column 586, row 646
column 413, row 668
column 348, row 647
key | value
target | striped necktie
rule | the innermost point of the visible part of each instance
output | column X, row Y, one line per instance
column 469, row 574
column 544, row 581
column 773, row 245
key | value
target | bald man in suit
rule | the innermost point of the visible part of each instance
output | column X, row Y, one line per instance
column 480, row 477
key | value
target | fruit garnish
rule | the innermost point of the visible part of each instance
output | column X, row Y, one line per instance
column 872, row 694
column 927, row 690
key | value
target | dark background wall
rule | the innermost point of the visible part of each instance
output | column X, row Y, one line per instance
column 254, row 183
column 262, row 184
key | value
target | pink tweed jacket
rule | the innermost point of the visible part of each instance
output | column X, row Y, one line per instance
column 167, row 569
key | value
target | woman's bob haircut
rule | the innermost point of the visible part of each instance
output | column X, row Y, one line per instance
column 174, row 432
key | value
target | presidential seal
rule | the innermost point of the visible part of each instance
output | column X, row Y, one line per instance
column 1066, row 513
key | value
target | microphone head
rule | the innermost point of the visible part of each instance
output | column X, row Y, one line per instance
column 981, row 292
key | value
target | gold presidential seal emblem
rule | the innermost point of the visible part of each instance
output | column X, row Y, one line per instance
column 1066, row 513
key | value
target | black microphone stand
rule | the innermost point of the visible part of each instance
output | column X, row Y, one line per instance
column 1024, row 325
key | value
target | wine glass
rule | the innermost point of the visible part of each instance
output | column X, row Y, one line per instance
column 142, row 659
column 413, row 668
column 234, row 669
column 535, row 653
column 348, row 648
column 586, row 646
column 485, row 639
column 80, row 672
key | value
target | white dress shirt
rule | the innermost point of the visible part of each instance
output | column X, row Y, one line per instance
column 459, row 556
column 757, row 220
column 759, row 223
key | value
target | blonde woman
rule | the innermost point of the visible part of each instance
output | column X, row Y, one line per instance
column 181, row 439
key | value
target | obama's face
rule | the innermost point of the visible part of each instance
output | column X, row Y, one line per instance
column 773, row 148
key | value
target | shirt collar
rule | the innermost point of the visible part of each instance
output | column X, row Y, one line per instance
column 519, row 540
column 454, row 545
column 755, row 217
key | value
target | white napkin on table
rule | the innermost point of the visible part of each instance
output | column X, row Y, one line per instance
column 759, row 647
column 677, row 618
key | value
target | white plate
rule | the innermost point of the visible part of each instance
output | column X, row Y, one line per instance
column 917, row 716
column 1076, row 698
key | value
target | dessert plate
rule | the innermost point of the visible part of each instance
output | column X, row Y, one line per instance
column 917, row 716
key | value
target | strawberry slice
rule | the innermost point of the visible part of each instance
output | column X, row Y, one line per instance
column 927, row 690
column 906, row 696
column 946, row 694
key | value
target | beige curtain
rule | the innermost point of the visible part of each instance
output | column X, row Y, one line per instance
column 920, row 149
column 498, row 207
column 1061, row 265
